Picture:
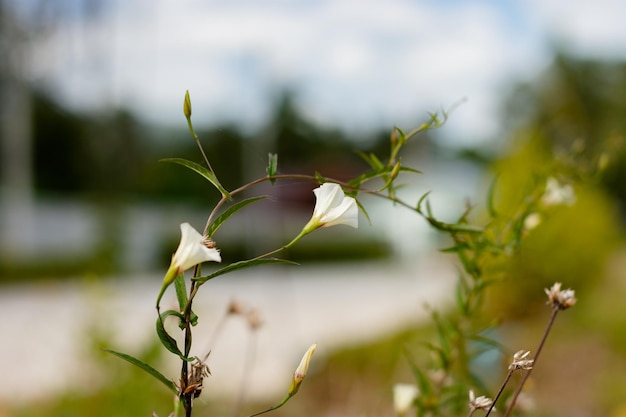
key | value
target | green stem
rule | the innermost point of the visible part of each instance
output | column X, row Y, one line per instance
column 283, row 402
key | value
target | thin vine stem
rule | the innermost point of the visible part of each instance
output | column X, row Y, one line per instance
column 555, row 311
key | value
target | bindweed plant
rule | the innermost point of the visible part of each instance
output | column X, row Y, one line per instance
column 443, row 389
column 443, row 385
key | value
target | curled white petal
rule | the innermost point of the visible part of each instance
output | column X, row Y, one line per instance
column 333, row 207
column 193, row 250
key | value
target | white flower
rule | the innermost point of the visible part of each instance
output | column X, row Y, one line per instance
column 403, row 397
column 557, row 194
column 301, row 370
column 332, row 207
column 531, row 221
column 193, row 250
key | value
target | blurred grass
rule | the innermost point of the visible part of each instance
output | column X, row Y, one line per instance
column 580, row 372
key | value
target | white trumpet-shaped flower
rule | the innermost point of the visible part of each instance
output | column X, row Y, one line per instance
column 193, row 249
column 332, row 207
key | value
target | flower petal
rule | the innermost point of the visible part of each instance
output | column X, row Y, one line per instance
column 345, row 213
column 192, row 249
column 327, row 195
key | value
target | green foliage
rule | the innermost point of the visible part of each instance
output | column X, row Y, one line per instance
column 499, row 251
column 571, row 244
column 241, row 265
column 577, row 103
column 149, row 369
column 120, row 390
column 200, row 170
column 219, row 220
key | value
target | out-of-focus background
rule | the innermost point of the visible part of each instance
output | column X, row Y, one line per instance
column 91, row 96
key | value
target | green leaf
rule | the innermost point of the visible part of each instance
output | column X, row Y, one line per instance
column 356, row 182
column 402, row 138
column 217, row 223
column 362, row 208
column 181, row 295
column 456, row 248
column 149, row 369
column 490, row 198
column 421, row 378
column 272, row 167
column 181, row 291
column 411, row 170
column 241, row 265
column 320, row 178
column 200, row 170
column 371, row 159
column 168, row 341
column 418, row 206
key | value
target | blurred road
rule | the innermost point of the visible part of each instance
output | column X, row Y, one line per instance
column 46, row 328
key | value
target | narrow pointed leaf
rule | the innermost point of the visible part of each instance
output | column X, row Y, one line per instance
column 181, row 295
column 362, row 208
column 455, row 248
column 181, row 291
column 368, row 176
column 272, row 167
column 420, row 201
column 217, row 223
column 371, row 159
column 200, row 170
column 241, row 265
column 490, row 199
column 411, row 170
column 423, row 382
column 320, row 178
column 166, row 340
column 149, row 369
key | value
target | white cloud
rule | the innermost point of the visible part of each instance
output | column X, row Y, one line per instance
column 354, row 63
column 589, row 28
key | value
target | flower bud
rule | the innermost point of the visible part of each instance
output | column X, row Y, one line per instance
column 187, row 105
column 301, row 370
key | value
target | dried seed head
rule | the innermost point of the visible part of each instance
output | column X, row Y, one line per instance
column 520, row 361
column 479, row 403
column 208, row 242
column 560, row 298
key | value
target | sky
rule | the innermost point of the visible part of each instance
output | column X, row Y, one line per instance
column 354, row 64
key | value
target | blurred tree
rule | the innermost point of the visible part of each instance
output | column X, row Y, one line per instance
column 577, row 105
column 564, row 124
column 59, row 151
